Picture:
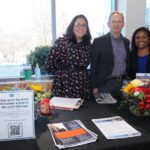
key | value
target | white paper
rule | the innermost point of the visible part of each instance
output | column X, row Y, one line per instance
column 115, row 128
column 66, row 103
column 105, row 98
column 145, row 77
column 16, row 115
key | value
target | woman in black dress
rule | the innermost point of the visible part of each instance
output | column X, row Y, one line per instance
column 68, row 61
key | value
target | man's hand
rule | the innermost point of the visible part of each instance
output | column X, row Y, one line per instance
column 95, row 91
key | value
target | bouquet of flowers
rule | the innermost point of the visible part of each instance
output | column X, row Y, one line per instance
column 39, row 93
column 42, row 98
column 136, row 96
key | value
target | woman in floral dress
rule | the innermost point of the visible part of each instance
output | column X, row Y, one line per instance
column 68, row 61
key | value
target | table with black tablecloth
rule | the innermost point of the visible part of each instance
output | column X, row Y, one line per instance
column 90, row 110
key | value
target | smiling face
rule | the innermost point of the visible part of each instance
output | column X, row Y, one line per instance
column 80, row 29
column 116, row 23
column 142, row 40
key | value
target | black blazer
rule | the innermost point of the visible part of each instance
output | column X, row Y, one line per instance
column 134, row 65
column 102, row 63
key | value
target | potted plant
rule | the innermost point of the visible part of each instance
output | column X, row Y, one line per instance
column 39, row 56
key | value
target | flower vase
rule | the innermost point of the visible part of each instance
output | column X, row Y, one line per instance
column 133, row 108
column 136, row 113
column 44, row 107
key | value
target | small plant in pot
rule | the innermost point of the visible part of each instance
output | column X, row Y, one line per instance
column 39, row 56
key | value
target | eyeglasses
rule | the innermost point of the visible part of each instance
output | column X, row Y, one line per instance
column 83, row 26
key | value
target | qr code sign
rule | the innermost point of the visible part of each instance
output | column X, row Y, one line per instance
column 15, row 130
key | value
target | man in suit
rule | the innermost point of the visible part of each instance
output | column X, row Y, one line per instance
column 110, row 58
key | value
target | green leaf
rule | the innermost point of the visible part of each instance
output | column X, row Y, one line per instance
column 39, row 55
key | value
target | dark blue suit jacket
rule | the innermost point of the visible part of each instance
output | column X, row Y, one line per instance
column 103, row 60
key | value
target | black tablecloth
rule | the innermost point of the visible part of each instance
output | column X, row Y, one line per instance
column 90, row 110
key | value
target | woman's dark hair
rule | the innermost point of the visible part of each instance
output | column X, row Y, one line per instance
column 70, row 34
column 133, row 45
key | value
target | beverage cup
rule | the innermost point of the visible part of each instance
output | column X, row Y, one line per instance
column 28, row 73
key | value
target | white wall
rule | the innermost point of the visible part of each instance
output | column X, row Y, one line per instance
column 134, row 13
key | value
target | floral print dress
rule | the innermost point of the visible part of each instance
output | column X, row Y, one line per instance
column 69, row 62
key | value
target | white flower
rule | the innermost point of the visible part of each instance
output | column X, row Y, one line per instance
column 136, row 93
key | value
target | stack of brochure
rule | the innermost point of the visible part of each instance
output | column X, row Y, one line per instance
column 70, row 134
column 115, row 128
column 64, row 103
column 105, row 98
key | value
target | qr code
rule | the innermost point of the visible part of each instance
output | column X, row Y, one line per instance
column 15, row 130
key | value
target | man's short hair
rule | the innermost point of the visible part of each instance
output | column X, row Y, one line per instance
column 116, row 12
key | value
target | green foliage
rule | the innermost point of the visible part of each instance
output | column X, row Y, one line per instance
column 39, row 96
column 40, row 56
column 123, row 104
column 141, row 96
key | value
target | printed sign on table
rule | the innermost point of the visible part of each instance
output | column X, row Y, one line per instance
column 17, row 115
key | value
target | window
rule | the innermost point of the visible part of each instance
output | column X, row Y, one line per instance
column 26, row 24
column 96, row 11
column 148, row 13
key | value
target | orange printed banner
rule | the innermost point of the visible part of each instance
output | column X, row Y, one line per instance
column 69, row 134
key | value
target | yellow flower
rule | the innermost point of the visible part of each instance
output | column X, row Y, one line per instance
column 128, row 89
column 36, row 88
